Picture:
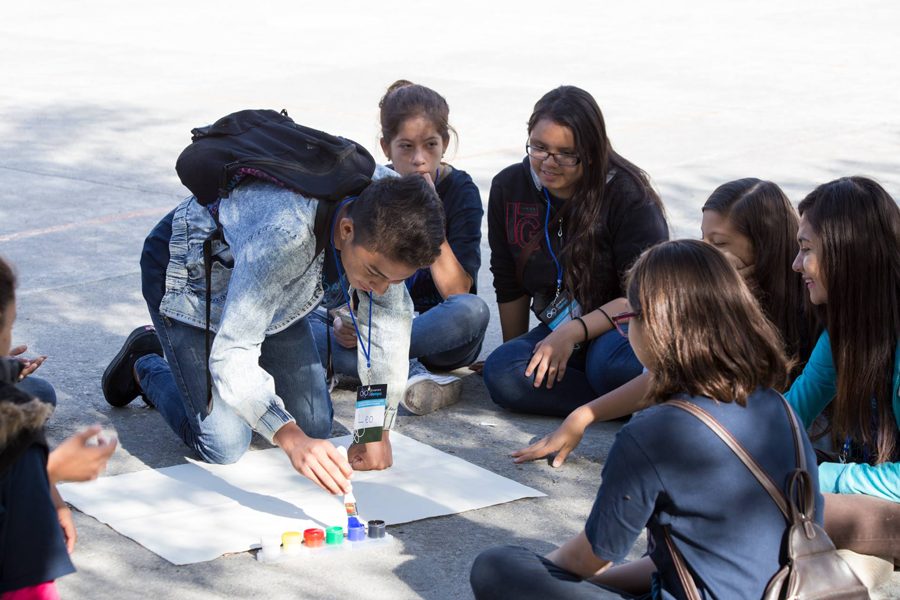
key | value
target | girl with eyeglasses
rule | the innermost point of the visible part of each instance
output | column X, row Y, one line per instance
column 699, row 331
column 754, row 224
column 564, row 226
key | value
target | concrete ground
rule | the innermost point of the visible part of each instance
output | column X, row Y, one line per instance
column 98, row 99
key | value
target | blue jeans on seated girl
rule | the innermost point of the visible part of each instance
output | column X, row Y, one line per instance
column 608, row 363
column 515, row 572
column 445, row 337
column 176, row 386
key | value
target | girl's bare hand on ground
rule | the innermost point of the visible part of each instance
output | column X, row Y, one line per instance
column 562, row 441
column 478, row 367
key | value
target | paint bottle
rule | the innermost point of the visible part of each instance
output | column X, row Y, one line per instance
column 376, row 529
column 314, row 537
column 270, row 547
column 292, row 542
column 356, row 531
column 334, row 536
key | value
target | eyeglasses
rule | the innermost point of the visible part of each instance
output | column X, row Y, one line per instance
column 565, row 160
column 622, row 319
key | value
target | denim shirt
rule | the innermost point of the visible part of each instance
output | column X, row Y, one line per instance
column 265, row 277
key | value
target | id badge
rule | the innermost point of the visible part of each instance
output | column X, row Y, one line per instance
column 559, row 312
column 369, row 422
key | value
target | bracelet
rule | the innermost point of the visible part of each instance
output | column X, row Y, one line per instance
column 605, row 314
column 586, row 334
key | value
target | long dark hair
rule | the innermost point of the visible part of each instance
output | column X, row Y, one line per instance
column 7, row 287
column 702, row 325
column 762, row 212
column 576, row 109
column 859, row 227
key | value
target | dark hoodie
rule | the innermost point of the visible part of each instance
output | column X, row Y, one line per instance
column 630, row 222
column 32, row 547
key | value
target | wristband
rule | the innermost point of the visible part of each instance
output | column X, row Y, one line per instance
column 605, row 314
column 586, row 334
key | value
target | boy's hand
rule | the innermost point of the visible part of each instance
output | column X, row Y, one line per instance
column 374, row 456
column 343, row 335
column 74, row 460
column 317, row 460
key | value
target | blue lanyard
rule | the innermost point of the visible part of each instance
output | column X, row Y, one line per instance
column 549, row 247
column 412, row 280
column 337, row 263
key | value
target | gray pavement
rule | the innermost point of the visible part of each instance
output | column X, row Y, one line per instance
column 97, row 101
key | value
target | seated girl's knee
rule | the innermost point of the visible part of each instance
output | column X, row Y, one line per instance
column 492, row 571
column 504, row 379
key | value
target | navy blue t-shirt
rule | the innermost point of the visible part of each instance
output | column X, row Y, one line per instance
column 668, row 469
column 463, row 211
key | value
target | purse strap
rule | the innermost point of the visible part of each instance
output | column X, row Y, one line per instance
column 784, row 505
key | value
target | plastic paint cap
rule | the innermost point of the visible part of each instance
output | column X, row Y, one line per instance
column 290, row 538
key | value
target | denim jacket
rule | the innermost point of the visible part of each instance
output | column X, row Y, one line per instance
column 265, row 277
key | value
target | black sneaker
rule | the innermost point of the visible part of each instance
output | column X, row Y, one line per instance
column 119, row 386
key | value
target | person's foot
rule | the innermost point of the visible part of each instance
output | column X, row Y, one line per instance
column 427, row 392
column 119, row 383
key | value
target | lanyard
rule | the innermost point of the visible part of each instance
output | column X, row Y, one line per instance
column 337, row 263
column 412, row 280
column 549, row 247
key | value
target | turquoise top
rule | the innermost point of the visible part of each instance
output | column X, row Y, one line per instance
column 811, row 393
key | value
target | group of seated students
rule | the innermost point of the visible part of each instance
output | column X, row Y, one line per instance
column 772, row 301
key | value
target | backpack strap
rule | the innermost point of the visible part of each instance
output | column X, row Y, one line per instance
column 207, row 265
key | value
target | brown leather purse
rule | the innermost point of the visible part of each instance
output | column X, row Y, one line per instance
column 814, row 569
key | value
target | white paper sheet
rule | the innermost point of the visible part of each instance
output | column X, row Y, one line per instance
column 197, row 512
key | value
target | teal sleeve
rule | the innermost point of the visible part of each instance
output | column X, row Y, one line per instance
column 829, row 473
column 817, row 385
column 881, row 481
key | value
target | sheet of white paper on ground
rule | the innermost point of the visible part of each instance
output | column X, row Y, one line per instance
column 197, row 512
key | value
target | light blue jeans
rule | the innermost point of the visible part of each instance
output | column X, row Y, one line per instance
column 176, row 386
column 444, row 338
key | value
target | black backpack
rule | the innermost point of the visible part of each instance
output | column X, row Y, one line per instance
column 269, row 145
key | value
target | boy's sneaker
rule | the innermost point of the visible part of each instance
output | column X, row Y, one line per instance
column 118, row 384
column 427, row 392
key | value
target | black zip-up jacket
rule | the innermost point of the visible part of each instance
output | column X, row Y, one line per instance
column 630, row 222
